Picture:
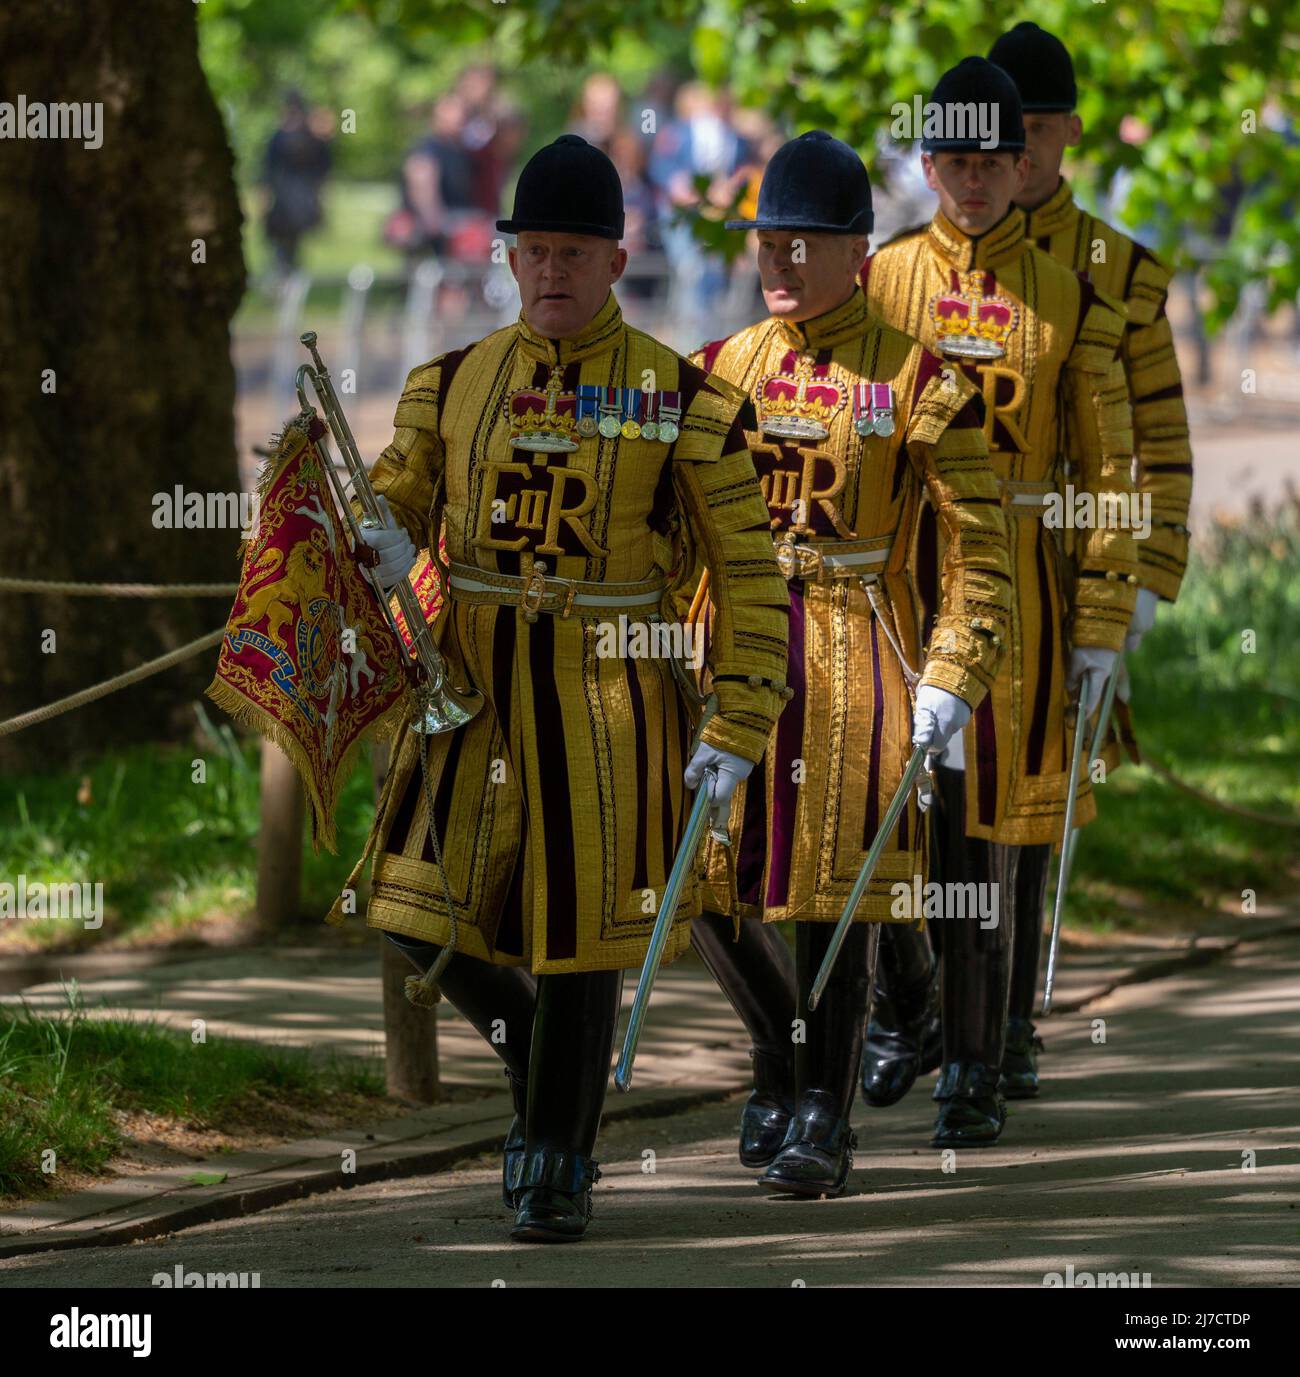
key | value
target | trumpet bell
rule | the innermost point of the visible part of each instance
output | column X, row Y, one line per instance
column 444, row 711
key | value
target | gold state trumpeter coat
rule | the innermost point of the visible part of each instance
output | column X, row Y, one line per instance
column 559, row 807
column 1123, row 270
column 1056, row 415
column 801, row 829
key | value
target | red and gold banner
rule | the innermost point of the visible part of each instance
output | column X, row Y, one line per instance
column 309, row 658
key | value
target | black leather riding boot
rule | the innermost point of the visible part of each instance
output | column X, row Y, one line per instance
column 1020, row 1058
column 756, row 973
column 903, row 1037
column 818, row 1150
column 975, row 976
column 499, row 1002
column 573, row 1038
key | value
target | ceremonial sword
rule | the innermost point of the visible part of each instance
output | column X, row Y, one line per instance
column 1067, row 850
column 682, row 867
column 1103, row 721
column 896, row 804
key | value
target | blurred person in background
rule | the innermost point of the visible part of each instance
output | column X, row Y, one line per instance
column 295, row 165
column 597, row 114
column 492, row 135
column 630, row 154
column 701, row 141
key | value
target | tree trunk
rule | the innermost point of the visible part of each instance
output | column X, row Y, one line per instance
column 117, row 381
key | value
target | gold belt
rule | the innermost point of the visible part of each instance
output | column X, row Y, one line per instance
column 832, row 559
column 539, row 591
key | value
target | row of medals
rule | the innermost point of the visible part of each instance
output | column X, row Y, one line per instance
column 611, row 425
column 869, row 420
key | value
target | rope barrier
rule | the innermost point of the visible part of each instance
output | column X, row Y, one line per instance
column 132, row 676
column 120, row 590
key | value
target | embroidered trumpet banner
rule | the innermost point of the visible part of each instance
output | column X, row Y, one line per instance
column 309, row 659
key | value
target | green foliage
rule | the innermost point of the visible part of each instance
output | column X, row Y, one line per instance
column 387, row 61
column 1185, row 69
column 64, row 1081
column 1225, row 719
column 168, row 852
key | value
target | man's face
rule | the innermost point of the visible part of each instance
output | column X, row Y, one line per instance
column 564, row 279
column 975, row 189
column 805, row 274
column 1046, row 139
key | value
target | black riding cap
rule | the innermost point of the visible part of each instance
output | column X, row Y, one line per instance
column 1039, row 63
column 976, row 81
column 568, row 187
column 814, row 182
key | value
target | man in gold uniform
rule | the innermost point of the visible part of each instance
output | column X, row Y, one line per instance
column 1042, row 347
column 1124, row 271
column 577, row 466
column 857, row 428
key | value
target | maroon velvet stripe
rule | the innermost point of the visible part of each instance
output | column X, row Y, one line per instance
column 561, row 916
column 927, row 570
column 710, row 354
column 400, row 827
column 442, row 799
column 752, row 851
column 1046, row 649
column 668, row 820
column 509, row 938
column 1165, row 394
column 986, row 761
column 789, row 743
column 510, row 930
column 639, row 877
column 871, row 822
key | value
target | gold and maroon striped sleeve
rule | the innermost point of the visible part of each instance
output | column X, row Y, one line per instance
column 945, row 440
column 1160, row 433
column 1100, row 427
column 408, row 471
column 722, row 504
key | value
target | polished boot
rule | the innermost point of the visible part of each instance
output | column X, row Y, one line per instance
column 1020, row 1059
column 756, row 973
column 903, row 1035
column 495, row 1000
column 573, row 1039
column 976, row 969
column 818, row 1150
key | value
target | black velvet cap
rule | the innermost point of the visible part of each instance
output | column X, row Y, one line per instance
column 568, row 187
column 814, row 182
column 975, row 80
column 1039, row 63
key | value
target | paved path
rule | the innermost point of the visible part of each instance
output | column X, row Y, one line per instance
column 1132, row 1161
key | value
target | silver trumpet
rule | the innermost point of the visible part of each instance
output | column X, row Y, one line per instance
column 1067, row 848
column 442, row 708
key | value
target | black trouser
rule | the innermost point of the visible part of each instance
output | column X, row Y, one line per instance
column 558, row 1036
column 975, row 969
column 1030, row 891
column 484, row 994
column 756, row 973
column 830, row 1055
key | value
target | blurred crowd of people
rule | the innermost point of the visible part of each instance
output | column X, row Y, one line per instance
column 678, row 146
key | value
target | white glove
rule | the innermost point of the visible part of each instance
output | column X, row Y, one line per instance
column 939, row 716
column 1123, row 688
column 1101, row 662
column 731, row 769
column 397, row 554
column 1144, row 618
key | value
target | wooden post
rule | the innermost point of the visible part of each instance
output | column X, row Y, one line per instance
column 410, row 1033
column 279, row 840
